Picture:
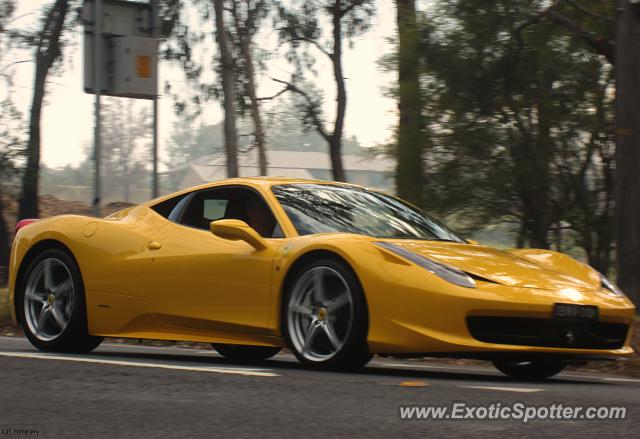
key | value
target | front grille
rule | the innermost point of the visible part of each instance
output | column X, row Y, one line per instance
column 552, row 333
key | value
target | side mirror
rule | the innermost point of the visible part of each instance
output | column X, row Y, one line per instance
column 235, row 230
column 472, row 242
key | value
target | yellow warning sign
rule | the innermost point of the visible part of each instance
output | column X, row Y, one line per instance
column 143, row 63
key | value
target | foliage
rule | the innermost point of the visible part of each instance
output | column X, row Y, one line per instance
column 518, row 124
column 11, row 129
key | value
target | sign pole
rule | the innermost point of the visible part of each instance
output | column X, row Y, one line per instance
column 97, row 86
column 154, row 182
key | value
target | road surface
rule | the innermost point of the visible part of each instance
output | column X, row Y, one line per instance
column 122, row 391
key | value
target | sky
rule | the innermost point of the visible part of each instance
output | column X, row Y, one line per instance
column 68, row 117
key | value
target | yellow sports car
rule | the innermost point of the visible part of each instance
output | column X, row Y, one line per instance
column 333, row 271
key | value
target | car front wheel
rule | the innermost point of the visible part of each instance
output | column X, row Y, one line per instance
column 325, row 319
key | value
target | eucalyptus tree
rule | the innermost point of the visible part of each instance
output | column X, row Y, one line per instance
column 410, row 134
column 518, row 121
column 47, row 51
column 612, row 30
column 248, row 16
column 301, row 26
column 628, row 147
column 11, row 129
column 228, row 78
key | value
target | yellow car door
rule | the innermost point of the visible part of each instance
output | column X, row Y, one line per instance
column 200, row 281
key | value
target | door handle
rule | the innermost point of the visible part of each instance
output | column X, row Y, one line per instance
column 153, row 245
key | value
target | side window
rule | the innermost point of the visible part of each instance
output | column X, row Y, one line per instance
column 235, row 202
column 214, row 209
column 176, row 213
column 166, row 207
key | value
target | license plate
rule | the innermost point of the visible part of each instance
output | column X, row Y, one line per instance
column 571, row 311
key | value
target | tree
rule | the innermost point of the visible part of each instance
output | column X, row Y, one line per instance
column 126, row 136
column 301, row 27
column 227, row 69
column 47, row 52
column 518, row 123
column 410, row 141
column 628, row 147
column 8, row 169
column 595, row 27
column 11, row 137
column 247, row 15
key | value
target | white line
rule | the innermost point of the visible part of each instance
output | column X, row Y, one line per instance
column 625, row 380
column 229, row 371
column 475, row 368
column 505, row 389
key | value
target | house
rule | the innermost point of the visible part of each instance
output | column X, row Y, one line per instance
column 364, row 170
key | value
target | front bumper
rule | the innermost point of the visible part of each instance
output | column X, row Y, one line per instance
column 407, row 319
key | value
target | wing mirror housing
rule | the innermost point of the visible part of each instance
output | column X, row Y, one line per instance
column 237, row 230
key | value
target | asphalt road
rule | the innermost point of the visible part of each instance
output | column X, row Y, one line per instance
column 137, row 391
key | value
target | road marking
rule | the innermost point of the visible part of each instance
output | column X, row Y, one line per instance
column 625, row 380
column 506, row 389
column 223, row 370
column 281, row 356
column 475, row 368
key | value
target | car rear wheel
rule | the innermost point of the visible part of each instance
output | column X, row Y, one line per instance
column 325, row 319
column 52, row 304
column 529, row 370
column 245, row 353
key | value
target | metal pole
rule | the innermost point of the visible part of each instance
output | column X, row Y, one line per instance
column 154, row 34
column 97, row 87
column 154, row 187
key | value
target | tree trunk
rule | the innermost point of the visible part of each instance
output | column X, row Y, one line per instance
column 47, row 51
column 335, row 144
column 228, row 88
column 4, row 239
column 410, row 167
column 245, row 49
column 627, row 191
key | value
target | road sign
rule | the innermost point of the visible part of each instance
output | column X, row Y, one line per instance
column 128, row 53
column 121, row 59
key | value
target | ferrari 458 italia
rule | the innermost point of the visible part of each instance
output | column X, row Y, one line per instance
column 335, row 272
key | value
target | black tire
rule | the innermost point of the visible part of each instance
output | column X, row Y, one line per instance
column 75, row 336
column 354, row 353
column 529, row 370
column 244, row 353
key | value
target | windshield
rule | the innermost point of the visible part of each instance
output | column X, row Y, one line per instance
column 320, row 208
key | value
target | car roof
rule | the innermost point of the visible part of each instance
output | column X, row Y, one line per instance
column 252, row 181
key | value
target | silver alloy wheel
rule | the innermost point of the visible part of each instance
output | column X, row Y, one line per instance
column 320, row 313
column 48, row 299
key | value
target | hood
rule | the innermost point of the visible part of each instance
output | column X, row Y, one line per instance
column 552, row 273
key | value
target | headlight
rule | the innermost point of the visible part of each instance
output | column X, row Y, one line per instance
column 607, row 284
column 446, row 272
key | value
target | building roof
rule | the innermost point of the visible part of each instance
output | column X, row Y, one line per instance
column 300, row 160
column 291, row 164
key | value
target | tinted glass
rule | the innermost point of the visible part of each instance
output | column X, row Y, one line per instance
column 230, row 202
column 214, row 209
column 318, row 208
